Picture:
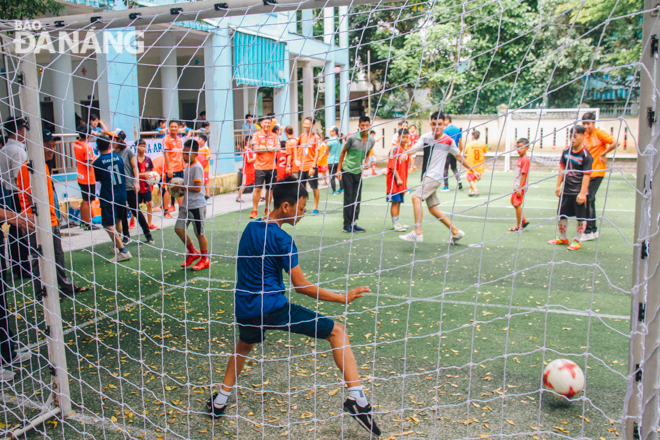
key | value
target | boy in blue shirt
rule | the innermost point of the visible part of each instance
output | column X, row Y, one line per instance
column 109, row 172
column 264, row 251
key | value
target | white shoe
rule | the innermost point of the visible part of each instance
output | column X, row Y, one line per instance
column 21, row 357
column 400, row 228
column 6, row 375
column 412, row 237
column 458, row 236
column 590, row 236
column 121, row 256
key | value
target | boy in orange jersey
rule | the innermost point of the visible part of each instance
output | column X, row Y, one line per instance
column 173, row 154
column 84, row 154
column 475, row 152
column 265, row 145
column 309, row 142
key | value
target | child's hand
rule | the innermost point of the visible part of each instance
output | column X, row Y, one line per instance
column 558, row 191
column 477, row 174
column 581, row 199
column 519, row 193
column 354, row 294
column 399, row 182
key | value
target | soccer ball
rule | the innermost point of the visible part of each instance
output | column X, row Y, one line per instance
column 154, row 178
column 174, row 187
column 563, row 377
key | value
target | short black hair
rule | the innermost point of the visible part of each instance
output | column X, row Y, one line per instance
column 263, row 118
column 93, row 117
column 173, row 121
column 202, row 113
column 161, row 121
column 288, row 190
column 248, row 116
column 103, row 143
column 403, row 131
column 192, row 144
column 447, row 117
column 364, row 119
column 141, row 141
column 204, row 137
column 589, row 116
column 524, row 141
column 13, row 125
column 205, row 124
column 438, row 115
column 578, row 129
column 82, row 130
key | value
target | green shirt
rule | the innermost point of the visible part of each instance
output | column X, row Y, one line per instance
column 357, row 151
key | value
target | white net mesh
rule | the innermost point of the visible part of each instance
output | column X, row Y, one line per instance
column 453, row 337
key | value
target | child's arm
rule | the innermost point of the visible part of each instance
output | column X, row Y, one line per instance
column 560, row 179
column 316, row 161
column 523, row 183
column 582, row 197
column 344, row 150
column 312, row 290
column 463, row 160
column 197, row 184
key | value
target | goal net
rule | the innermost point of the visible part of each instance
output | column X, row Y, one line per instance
column 112, row 326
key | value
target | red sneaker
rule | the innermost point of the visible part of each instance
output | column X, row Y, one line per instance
column 267, row 212
column 190, row 259
column 559, row 241
column 171, row 208
column 167, row 215
column 202, row 264
column 132, row 225
column 254, row 213
column 152, row 227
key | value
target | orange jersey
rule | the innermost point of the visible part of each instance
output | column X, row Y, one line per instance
column 84, row 155
column 261, row 140
column 296, row 154
column 159, row 166
column 323, row 155
column 308, row 144
column 596, row 143
column 25, row 189
column 475, row 153
column 206, row 151
column 174, row 150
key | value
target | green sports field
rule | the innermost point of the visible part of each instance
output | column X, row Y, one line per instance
column 450, row 343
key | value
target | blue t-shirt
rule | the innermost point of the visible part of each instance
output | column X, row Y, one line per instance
column 453, row 132
column 265, row 250
column 109, row 172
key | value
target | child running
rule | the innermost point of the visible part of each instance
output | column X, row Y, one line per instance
column 193, row 208
column 576, row 163
column 520, row 184
column 397, row 178
column 145, row 167
column 261, row 301
column 475, row 152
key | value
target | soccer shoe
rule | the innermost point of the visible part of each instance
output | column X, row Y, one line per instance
column 458, row 236
column 357, row 229
column 214, row 411
column 90, row 227
column 121, row 256
column 399, row 227
column 171, row 208
column 363, row 415
column 6, row 375
column 590, row 236
column 341, row 191
column 444, row 189
column 254, row 213
column 126, row 240
column 559, row 241
column 334, row 193
column 190, row 259
column 575, row 246
column 153, row 227
column 167, row 215
column 149, row 239
column 348, row 230
column 20, row 357
column 460, row 185
column 412, row 237
column 132, row 224
column 315, row 212
column 267, row 212
column 202, row 264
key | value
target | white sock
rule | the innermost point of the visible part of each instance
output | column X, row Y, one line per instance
column 222, row 398
column 395, row 220
column 358, row 394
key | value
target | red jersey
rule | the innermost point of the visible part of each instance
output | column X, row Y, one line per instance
column 144, row 167
column 280, row 159
column 414, row 137
column 399, row 162
column 248, row 168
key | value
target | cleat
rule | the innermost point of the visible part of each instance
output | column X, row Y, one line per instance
column 559, row 241
column 363, row 415
column 399, row 227
column 575, row 246
column 215, row 411
column 190, row 259
column 121, row 256
column 458, row 236
column 254, row 213
column 202, row 264
column 412, row 237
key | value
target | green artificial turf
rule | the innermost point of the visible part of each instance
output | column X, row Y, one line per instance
column 450, row 343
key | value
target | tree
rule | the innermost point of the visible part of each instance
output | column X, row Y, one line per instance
column 28, row 9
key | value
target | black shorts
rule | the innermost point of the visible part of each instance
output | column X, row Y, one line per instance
column 568, row 207
column 144, row 197
column 264, row 177
column 290, row 318
column 88, row 192
column 313, row 181
column 111, row 214
column 174, row 174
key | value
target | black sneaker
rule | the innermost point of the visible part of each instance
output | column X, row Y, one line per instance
column 356, row 228
column 363, row 415
column 348, row 230
column 90, row 227
column 214, row 411
column 149, row 240
column 460, row 185
column 126, row 240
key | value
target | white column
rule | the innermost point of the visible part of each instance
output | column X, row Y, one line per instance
column 308, row 90
column 329, row 26
column 329, row 69
column 294, row 118
column 344, row 96
column 63, row 100
column 308, row 23
column 169, row 76
column 253, row 103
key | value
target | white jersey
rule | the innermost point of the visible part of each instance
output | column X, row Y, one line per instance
column 441, row 148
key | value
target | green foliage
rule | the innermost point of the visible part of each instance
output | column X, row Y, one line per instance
column 28, row 9
column 474, row 56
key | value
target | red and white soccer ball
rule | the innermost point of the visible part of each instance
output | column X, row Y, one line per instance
column 563, row 377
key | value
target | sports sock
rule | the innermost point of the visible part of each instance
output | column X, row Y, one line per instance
column 581, row 227
column 204, row 253
column 222, row 398
column 191, row 248
column 358, row 394
column 563, row 225
column 395, row 220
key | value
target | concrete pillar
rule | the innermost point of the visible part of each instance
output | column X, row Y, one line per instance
column 294, row 118
column 118, row 86
column 308, row 23
column 308, row 90
column 330, row 103
column 344, row 96
column 219, row 99
column 169, row 76
column 329, row 26
column 63, row 100
column 282, row 97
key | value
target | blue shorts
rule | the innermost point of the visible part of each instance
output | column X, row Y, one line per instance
column 111, row 214
column 291, row 318
column 395, row 197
